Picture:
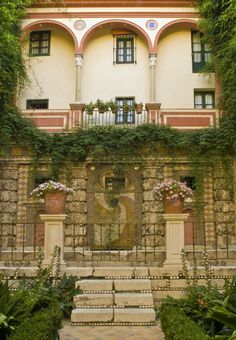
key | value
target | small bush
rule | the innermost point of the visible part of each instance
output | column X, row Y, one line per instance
column 43, row 325
column 178, row 326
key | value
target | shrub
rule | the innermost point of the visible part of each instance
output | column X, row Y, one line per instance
column 178, row 326
column 43, row 325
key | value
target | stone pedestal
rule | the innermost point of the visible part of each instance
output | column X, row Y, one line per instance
column 53, row 236
column 76, row 115
column 174, row 239
column 153, row 112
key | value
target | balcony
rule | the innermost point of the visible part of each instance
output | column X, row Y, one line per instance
column 67, row 120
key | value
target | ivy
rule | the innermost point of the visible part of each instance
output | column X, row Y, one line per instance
column 218, row 24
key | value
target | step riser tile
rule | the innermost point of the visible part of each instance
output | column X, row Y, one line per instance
column 94, row 300
column 134, row 315
column 133, row 299
column 95, row 285
column 92, row 315
column 132, row 285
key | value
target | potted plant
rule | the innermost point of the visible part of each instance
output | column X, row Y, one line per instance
column 126, row 107
column 172, row 194
column 89, row 108
column 101, row 106
column 113, row 106
column 54, row 194
column 139, row 107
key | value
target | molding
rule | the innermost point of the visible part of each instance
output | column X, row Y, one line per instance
column 59, row 15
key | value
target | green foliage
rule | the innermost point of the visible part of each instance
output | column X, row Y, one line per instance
column 50, row 285
column 14, row 308
column 43, row 325
column 177, row 325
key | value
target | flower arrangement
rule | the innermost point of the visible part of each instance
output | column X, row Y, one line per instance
column 50, row 186
column 172, row 190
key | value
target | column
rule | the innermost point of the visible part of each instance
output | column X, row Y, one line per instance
column 79, row 62
column 53, row 236
column 174, row 239
column 152, row 65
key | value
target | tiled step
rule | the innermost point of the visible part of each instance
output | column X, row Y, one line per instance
column 95, row 285
column 134, row 285
column 135, row 315
column 91, row 315
column 94, row 300
column 133, row 299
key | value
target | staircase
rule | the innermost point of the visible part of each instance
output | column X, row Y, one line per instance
column 114, row 300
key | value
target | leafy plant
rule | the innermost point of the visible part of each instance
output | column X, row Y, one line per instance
column 101, row 106
column 14, row 308
column 177, row 325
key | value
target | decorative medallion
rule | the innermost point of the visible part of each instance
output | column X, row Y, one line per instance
column 151, row 24
column 79, row 25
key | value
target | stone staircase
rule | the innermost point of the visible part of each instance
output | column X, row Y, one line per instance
column 113, row 299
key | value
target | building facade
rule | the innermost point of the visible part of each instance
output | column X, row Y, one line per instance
column 123, row 52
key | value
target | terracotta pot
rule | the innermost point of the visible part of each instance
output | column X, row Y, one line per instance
column 55, row 202
column 174, row 206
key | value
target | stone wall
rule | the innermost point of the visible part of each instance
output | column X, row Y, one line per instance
column 19, row 213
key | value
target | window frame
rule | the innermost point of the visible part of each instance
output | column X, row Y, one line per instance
column 40, row 47
column 121, row 117
column 203, row 94
column 125, row 38
column 35, row 101
column 204, row 52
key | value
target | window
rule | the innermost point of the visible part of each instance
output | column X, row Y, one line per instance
column 125, row 113
column 124, row 50
column 39, row 43
column 114, row 183
column 37, row 104
column 200, row 51
column 204, row 100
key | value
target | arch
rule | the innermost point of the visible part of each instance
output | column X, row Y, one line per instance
column 116, row 23
column 180, row 22
column 39, row 23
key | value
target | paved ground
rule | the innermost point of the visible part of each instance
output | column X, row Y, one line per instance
column 110, row 332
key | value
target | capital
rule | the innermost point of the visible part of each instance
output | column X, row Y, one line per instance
column 79, row 59
column 152, row 59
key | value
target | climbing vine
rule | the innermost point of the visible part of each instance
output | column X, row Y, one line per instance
column 218, row 24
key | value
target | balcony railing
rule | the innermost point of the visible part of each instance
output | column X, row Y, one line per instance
column 131, row 118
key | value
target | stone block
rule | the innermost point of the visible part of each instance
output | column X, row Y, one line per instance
column 141, row 271
column 158, row 283
column 178, row 283
column 113, row 271
column 95, row 285
column 132, row 285
column 176, row 294
column 92, row 315
column 93, row 300
column 80, row 271
column 134, row 315
column 133, row 299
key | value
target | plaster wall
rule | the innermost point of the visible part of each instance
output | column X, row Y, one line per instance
column 51, row 77
column 175, row 81
column 105, row 80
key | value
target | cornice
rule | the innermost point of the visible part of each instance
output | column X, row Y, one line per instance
column 114, row 3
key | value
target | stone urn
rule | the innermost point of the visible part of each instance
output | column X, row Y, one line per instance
column 55, row 202
column 173, row 206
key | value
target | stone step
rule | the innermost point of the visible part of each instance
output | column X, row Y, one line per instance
column 110, row 315
column 135, row 315
column 132, row 285
column 133, row 299
column 90, row 315
column 93, row 300
column 95, row 285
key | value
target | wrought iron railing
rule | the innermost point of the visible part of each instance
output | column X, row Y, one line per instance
column 119, row 119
